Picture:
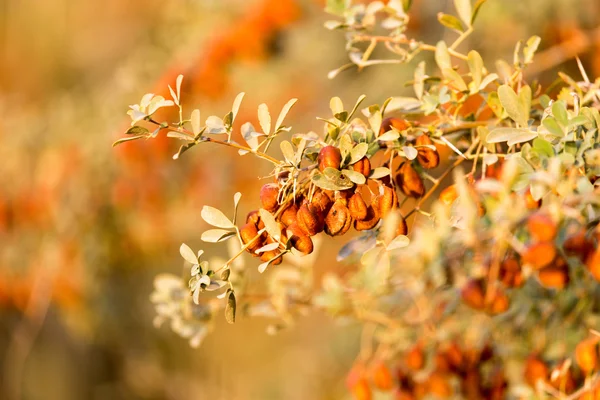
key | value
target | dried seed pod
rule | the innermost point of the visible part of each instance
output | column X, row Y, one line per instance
column 578, row 244
column 535, row 370
column 249, row 234
column 388, row 201
column 454, row 357
column 363, row 166
column 409, row 181
column 382, row 377
column 398, row 123
column 448, row 195
column 428, row 158
column 329, row 157
column 268, row 196
column 539, row 255
column 299, row 240
column 371, row 220
column 554, row 276
column 357, row 207
column 402, row 227
column 494, row 170
column 415, row 358
column 530, row 202
column 289, row 215
column 586, row 355
column 473, row 295
column 561, row 378
column 253, row 217
column 322, row 201
column 541, row 227
column 310, row 219
column 338, row 219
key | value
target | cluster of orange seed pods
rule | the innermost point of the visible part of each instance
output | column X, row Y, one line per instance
column 451, row 370
column 335, row 212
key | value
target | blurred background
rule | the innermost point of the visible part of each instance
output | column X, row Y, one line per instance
column 84, row 227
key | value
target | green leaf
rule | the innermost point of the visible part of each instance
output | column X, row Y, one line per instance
column 195, row 119
column 236, row 106
column 510, row 135
column 451, row 22
column 187, row 254
column 510, row 102
column 525, row 101
column 530, row 48
column 494, row 102
column 476, row 8
column 545, row 100
column 358, row 152
column 399, row 242
column 354, row 176
column 559, row 110
column 180, row 136
column 410, row 152
column 389, row 136
column 288, row 152
column 215, row 217
column 336, row 7
column 553, row 127
column 442, row 57
column 475, row 67
column 455, row 79
column 336, row 105
column 230, row 307
column 332, row 179
column 406, row 4
column 543, row 147
column 137, row 130
column 379, row 172
column 419, row 78
column 284, row 112
column 216, row 235
column 127, row 139
column 464, row 10
column 270, row 223
column 264, row 118
column 356, row 105
column 183, row 149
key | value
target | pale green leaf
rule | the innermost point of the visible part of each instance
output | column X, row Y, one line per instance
column 264, row 118
column 215, row 217
column 464, row 10
column 187, row 254
column 284, row 111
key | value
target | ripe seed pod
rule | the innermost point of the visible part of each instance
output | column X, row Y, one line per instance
column 438, row 385
column 338, row 219
column 249, row 234
column 415, row 359
column 268, row 196
column 472, row 294
column 535, row 370
column 269, row 255
column 409, row 181
column 562, row 378
column 382, row 377
column 299, row 240
column 388, row 201
column 310, row 219
column 586, row 355
column 329, row 156
column 539, row 255
column 289, row 215
column 593, row 264
column 428, row 158
column 448, row 195
column 398, row 123
column 500, row 303
column 510, row 272
column 363, row 166
column 541, row 227
column 371, row 220
column 530, row 202
column 361, row 390
column 454, row 357
column 357, row 207
column 554, row 276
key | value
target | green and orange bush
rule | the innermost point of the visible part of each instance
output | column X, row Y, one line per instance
column 493, row 293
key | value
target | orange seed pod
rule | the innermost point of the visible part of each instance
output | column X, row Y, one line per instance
column 268, row 196
column 398, row 123
column 409, row 181
column 541, row 227
column 357, row 207
column 539, row 255
column 382, row 377
column 363, row 166
column 428, row 158
column 338, row 219
column 310, row 219
column 329, row 157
